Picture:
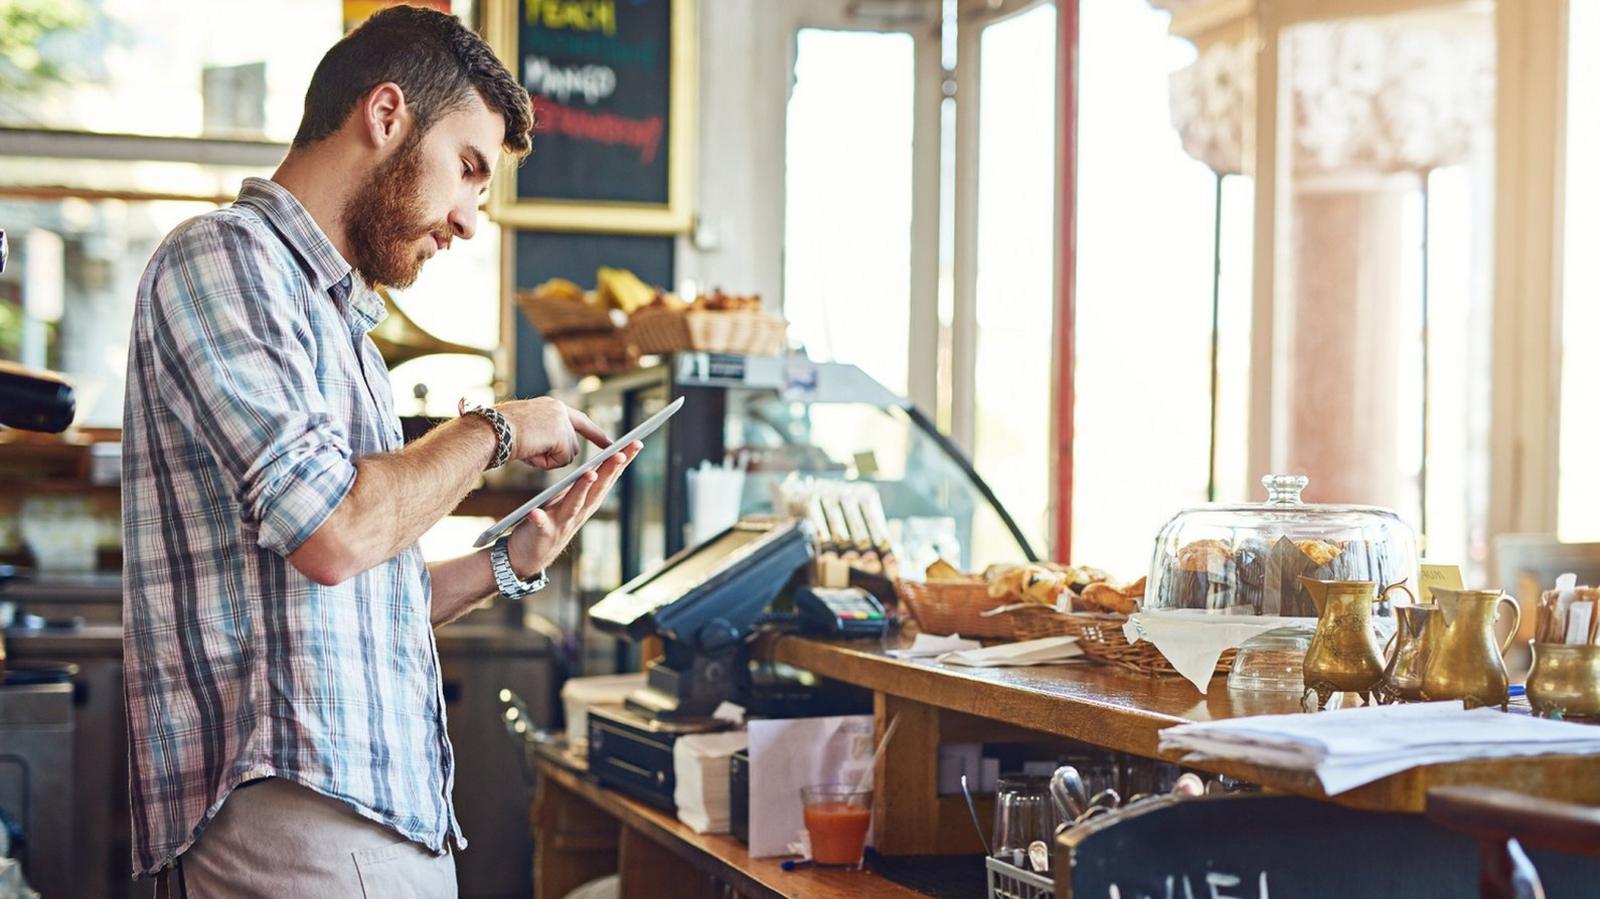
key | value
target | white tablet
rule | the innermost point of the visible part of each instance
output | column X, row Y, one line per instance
column 554, row 490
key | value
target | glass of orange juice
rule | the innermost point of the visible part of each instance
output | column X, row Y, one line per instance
column 837, row 817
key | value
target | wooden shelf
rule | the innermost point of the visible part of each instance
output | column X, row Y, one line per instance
column 1120, row 710
column 39, row 486
column 719, row 856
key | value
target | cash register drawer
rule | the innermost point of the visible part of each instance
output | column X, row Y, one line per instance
column 637, row 762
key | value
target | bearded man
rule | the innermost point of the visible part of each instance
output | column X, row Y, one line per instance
column 285, row 717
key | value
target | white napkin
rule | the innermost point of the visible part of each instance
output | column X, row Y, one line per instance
column 926, row 646
column 1350, row 747
column 1043, row 651
column 700, row 765
column 1194, row 639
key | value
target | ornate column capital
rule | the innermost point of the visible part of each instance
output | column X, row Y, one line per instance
column 1368, row 96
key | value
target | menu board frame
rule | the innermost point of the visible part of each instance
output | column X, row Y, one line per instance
column 676, row 216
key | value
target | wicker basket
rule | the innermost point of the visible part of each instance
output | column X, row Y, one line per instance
column 747, row 332
column 955, row 606
column 1102, row 640
column 555, row 317
column 595, row 353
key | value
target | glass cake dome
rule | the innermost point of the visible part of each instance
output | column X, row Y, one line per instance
column 1247, row 559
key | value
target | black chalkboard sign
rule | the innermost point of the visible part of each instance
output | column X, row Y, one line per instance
column 1259, row 847
column 611, row 82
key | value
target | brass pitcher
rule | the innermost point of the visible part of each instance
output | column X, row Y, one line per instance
column 1564, row 681
column 1464, row 661
column 1345, row 656
column 1413, row 638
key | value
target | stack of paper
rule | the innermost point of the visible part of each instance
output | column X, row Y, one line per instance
column 700, row 763
column 1043, row 651
column 1350, row 747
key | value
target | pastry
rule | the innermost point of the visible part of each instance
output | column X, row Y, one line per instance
column 1204, row 576
column 1104, row 597
column 942, row 570
column 1005, row 581
column 1040, row 585
column 1250, row 559
column 622, row 289
column 717, row 301
column 1204, row 555
column 559, row 289
column 1320, row 552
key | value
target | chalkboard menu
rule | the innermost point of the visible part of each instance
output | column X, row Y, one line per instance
column 1259, row 847
column 611, row 82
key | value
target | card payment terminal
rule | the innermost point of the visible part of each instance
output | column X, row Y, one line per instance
column 839, row 612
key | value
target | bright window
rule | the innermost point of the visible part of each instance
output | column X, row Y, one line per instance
column 847, row 229
column 1142, row 423
column 1579, row 504
column 181, row 69
column 1016, row 265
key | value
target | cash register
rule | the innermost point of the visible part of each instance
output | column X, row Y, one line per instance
column 703, row 603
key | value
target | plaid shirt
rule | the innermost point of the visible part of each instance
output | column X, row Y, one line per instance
column 252, row 385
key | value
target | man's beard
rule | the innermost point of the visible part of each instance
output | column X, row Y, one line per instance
column 384, row 220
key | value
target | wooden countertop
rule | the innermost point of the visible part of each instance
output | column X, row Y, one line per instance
column 723, row 855
column 1120, row 710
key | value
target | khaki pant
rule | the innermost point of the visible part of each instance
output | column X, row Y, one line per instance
column 275, row 839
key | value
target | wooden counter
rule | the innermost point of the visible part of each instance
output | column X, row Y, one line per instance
column 587, row 831
column 1119, row 710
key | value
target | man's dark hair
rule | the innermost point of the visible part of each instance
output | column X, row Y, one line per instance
column 436, row 61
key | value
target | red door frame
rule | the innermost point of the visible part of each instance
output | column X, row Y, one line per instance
column 1066, row 264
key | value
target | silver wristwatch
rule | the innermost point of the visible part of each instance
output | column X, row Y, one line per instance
column 505, row 577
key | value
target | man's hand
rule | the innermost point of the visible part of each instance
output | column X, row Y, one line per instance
column 537, row 543
column 548, row 432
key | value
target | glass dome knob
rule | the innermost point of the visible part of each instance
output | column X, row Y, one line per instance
column 1284, row 489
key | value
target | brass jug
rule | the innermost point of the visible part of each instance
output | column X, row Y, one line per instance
column 1564, row 681
column 1464, row 661
column 1345, row 656
column 1413, row 638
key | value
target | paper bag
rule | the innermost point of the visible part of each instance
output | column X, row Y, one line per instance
column 787, row 754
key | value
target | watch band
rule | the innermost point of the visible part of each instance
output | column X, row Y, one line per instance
column 502, row 432
column 505, row 577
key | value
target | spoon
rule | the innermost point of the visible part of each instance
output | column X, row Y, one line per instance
column 1189, row 784
column 973, row 808
column 1108, row 799
column 1039, row 856
column 1066, row 804
column 1068, row 783
column 1093, row 811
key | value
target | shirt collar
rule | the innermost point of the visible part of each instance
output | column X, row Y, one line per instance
column 329, row 271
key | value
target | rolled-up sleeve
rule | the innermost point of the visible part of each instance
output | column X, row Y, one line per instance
column 232, row 350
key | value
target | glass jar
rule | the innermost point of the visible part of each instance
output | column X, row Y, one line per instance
column 1247, row 559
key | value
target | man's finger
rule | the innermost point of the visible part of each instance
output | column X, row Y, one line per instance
column 608, row 479
column 585, row 426
column 563, row 509
column 556, row 499
column 612, row 471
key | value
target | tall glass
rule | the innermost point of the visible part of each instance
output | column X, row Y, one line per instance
column 837, row 817
column 1022, row 815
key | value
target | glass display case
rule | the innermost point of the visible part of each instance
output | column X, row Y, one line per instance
column 1247, row 559
column 783, row 417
